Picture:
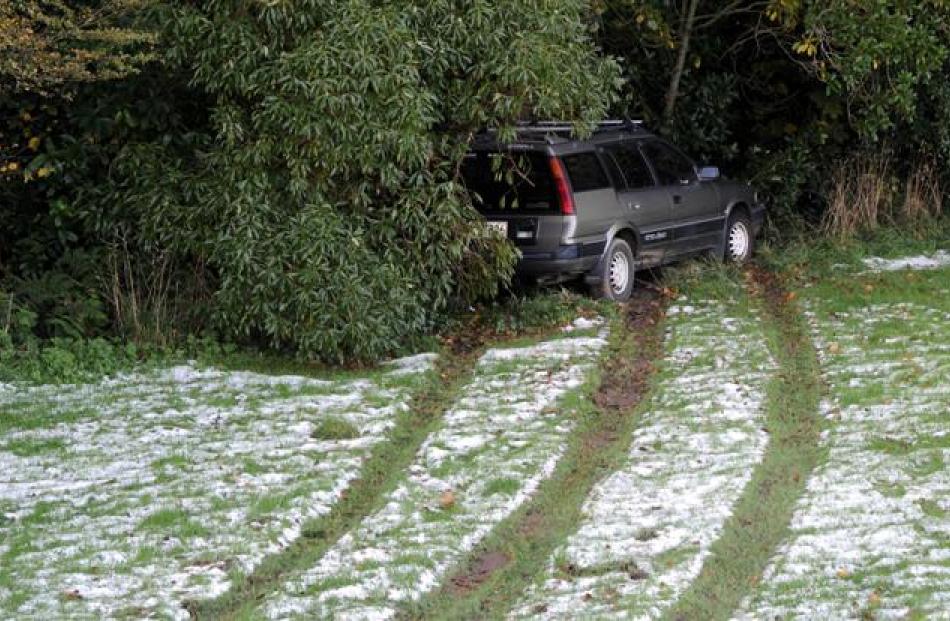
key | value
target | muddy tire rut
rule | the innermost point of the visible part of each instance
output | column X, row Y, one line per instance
column 494, row 576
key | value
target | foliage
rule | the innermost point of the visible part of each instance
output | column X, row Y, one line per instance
column 286, row 173
column 45, row 44
column 326, row 195
column 775, row 90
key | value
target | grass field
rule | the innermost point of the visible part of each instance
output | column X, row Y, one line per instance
column 736, row 444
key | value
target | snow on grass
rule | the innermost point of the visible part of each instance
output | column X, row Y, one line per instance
column 584, row 323
column 501, row 438
column 123, row 498
column 648, row 527
column 871, row 536
column 938, row 260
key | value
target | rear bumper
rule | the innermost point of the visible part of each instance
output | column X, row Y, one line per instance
column 567, row 260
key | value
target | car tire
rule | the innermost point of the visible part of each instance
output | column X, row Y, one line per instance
column 619, row 273
column 739, row 240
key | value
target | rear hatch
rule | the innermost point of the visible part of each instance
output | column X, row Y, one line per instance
column 518, row 191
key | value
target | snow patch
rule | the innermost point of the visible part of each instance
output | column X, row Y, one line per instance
column 142, row 491
column 583, row 323
column 938, row 260
column 412, row 364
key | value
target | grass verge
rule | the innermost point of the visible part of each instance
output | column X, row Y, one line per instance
column 761, row 517
column 491, row 579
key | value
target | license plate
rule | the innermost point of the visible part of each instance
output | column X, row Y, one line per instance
column 499, row 227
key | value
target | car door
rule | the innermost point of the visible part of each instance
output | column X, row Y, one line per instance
column 594, row 198
column 641, row 200
column 696, row 219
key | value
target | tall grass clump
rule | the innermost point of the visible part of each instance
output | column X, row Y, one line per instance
column 868, row 193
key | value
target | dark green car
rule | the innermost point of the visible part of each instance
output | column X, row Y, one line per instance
column 603, row 208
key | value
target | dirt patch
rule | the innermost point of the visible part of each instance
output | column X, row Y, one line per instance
column 626, row 380
column 768, row 284
column 482, row 569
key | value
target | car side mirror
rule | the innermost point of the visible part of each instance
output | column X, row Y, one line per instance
column 709, row 173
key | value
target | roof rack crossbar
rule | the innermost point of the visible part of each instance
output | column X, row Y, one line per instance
column 552, row 132
column 543, row 127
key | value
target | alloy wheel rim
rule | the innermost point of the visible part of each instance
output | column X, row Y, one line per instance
column 619, row 272
column 739, row 241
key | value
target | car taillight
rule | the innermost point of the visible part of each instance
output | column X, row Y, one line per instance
column 565, row 198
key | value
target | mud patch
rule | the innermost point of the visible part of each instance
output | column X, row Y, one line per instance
column 482, row 569
column 627, row 380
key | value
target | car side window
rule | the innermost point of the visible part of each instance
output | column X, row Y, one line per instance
column 585, row 172
column 635, row 170
column 671, row 166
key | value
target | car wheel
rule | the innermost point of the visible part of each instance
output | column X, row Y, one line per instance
column 739, row 240
column 619, row 272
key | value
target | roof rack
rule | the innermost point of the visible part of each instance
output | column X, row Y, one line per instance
column 556, row 127
column 554, row 132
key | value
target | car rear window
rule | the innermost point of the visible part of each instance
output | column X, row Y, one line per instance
column 502, row 181
column 585, row 172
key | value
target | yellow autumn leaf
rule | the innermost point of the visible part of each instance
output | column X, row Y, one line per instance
column 806, row 47
column 44, row 172
column 34, row 143
column 13, row 166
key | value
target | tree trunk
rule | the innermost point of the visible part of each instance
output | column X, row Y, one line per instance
column 673, row 93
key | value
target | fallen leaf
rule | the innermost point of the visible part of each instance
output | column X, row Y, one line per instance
column 72, row 595
column 874, row 599
column 447, row 499
column 844, row 573
column 834, row 348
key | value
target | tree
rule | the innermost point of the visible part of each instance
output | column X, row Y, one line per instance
column 326, row 197
column 45, row 44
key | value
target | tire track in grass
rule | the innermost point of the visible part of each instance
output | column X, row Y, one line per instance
column 121, row 498
column 761, row 517
column 648, row 527
column 378, row 474
column 498, row 442
column 493, row 577
column 871, row 538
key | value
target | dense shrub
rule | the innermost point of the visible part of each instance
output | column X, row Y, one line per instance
column 326, row 198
